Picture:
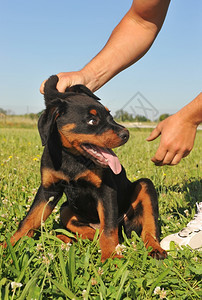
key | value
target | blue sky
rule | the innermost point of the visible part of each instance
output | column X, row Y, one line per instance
column 43, row 37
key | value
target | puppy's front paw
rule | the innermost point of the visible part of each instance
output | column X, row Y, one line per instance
column 158, row 253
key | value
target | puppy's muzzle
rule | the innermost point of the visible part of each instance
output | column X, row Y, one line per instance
column 123, row 135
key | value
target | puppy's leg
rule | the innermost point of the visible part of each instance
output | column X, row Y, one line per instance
column 144, row 217
column 41, row 208
column 108, row 231
column 74, row 223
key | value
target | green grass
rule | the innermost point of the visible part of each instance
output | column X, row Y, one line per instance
column 24, row 121
column 47, row 269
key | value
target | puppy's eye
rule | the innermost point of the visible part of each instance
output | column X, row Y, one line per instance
column 93, row 121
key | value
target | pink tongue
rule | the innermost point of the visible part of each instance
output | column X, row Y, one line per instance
column 113, row 161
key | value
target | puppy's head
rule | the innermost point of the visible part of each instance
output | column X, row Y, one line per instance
column 85, row 126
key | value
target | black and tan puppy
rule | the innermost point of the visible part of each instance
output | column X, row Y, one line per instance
column 78, row 133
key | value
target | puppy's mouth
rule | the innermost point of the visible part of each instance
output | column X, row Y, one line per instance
column 104, row 157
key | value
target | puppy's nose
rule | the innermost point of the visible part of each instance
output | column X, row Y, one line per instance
column 124, row 135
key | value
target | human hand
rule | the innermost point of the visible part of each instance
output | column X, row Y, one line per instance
column 177, row 140
column 66, row 79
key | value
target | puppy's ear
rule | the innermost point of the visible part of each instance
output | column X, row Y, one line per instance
column 48, row 118
column 80, row 88
column 45, row 125
column 50, row 91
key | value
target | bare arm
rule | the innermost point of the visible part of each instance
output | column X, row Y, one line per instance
column 177, row 133
column 129, row 41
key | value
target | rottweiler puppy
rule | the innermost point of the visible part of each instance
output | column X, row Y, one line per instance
column 78, row 134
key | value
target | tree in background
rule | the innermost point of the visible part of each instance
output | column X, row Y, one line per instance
column 3, row 111
column 163, row 117
column 124, row 116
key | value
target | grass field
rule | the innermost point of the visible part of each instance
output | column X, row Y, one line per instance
column 44, row 268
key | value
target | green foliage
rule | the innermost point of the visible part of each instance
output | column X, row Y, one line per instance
column 45, row 268
column 163, row 117
column 124, row 116
column 3, row 111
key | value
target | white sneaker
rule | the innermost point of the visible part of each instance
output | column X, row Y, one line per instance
column 191, row 235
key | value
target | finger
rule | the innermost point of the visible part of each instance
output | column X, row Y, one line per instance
column 156, row 161
column 185, row 153
column 63, row 83
column 154, row 134
column 42, row 87
column 159, row 156
column 177, row 158
column 167, row 159
column 61, row 86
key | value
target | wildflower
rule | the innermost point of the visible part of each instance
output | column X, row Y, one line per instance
column 29, row 199
column 134, row 245
column 55, row 210
column 46, row 261
column 157, row 290
column 5, row 201
column 27, row 207
column 65, row 246
column 15, row 219
column 15, row 285
column 51, row 256
column 51, row 198
column 120, row 249
column 84, row 294
column 57, row 218
column 100, row 271
column 35, row 159
column 39, row 247
column 186, row 212
column 163, row 294
column 1, row 223
column 93, row 281
column 160, row 292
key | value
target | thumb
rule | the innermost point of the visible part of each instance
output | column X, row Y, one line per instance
column 63, row 84
column 154, row 134
column 42, row 87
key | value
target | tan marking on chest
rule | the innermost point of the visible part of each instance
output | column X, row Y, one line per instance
column 50, row 177
column 91, row 176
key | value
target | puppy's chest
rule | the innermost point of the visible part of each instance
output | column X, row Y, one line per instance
column 81, row 169
column 71, row 171
column 82, row 198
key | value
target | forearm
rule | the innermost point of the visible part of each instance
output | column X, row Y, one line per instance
column 127, row 44
column 192, row 112
column 129, row 41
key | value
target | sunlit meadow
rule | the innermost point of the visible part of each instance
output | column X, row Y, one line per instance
column 44, row 268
